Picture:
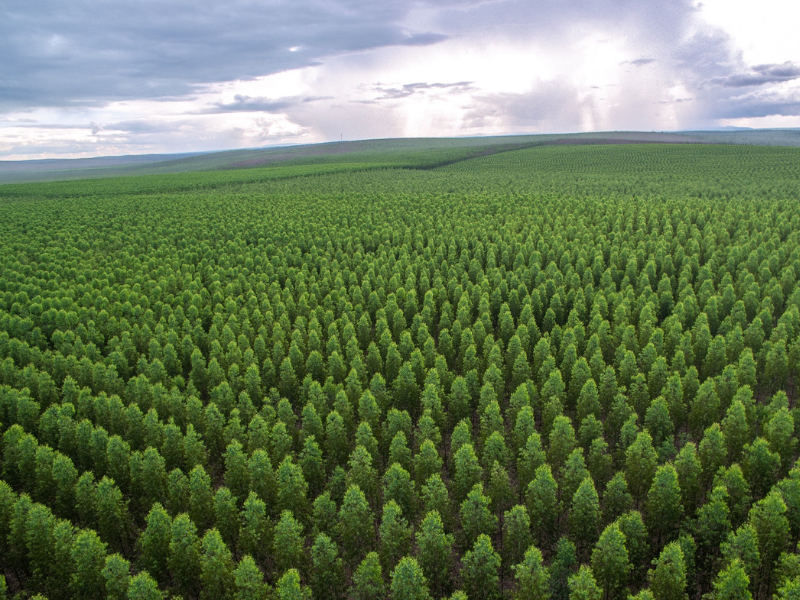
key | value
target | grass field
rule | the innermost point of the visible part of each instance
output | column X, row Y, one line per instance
column 524, row 369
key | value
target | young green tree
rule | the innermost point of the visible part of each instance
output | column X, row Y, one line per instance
column 531, row 457
column 541, row 499
column 292, row 488
column 154, row 544
column 713, row 452
column 582, row 585
column 468, row 472
column 480, row 570
column 89, row 557
column 262, row 477
column 584, row 517
column 237, row 475
column 768, row 518
column 395, row 536
column 760, row 466
column 743, row 544
column 561, row 568
column 689, row 469
column 732, row 583
column 216, row 568
column 290, row 588
column 427, row 461
column 610, row 562
column 368, row 580
column 735, row 429
column 637, row 541
column 201, row 499
column 640, row 466
column 779, row 432
column 117, row 573
column 226, row 516
column 356, row 525
column 533, row 578
column 712, row 528
column 254, row 531
column 434, row 552
column 144, row 587
column 408, row 581
column 288, row 544
column 184, row 555
column 327, row 576
column 562, row 442
column 249, row 581
column 516, row 535
column 398, row 487
column 663, row 507
column 476, row 517
column 436, row 497
column 668, row 579
column 616, row 499
column 573, row 474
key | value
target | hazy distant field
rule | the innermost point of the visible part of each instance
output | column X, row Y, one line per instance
column 391, row 151
column 514, row 367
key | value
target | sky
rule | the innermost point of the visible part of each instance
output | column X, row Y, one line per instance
column 113, row 77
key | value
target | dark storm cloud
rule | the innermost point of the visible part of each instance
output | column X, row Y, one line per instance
column 88, row 52
column 760, row 75
column 763, row 103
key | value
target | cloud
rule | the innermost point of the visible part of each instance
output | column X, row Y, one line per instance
column 90, row 52
column 409, row 89
column 639, row 62
column 762, row 103
column 138, row 76
column 760, row 75
column 242, row 103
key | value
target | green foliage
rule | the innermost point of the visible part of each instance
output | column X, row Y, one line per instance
column 368, row 580
column 395, row 536
column 732, row 583
column 184, row 555
column 434, row 553
column 541, row 499
column 523, row 321
column 668, row 578
column 516, row 535
column 664, row 508
column 480, row 570
column 610, row 562
column 327, row 578
column 533, row 578
column 117, row 573
column 582, row 585
column 476, row 518
column 356, row 524
column 288, row 543
column 154, row 544
column 249, row 581
column 88, row 556
column 144, row 587
column 584, row 517
column 290, row 588
column 408, row 581
column 216, row 567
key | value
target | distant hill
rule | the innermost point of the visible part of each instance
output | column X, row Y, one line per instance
column 397, row 150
